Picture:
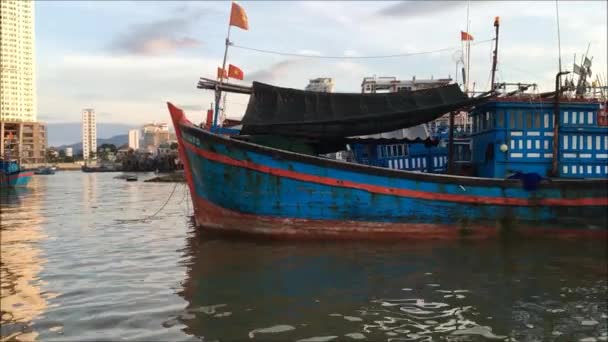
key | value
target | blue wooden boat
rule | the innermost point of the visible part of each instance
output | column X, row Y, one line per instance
column 45, row 170
column 240, row 186
column 11, row 175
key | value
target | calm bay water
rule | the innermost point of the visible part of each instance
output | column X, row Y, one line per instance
column 77, row 264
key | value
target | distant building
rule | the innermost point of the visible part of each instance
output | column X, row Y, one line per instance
column 324, row 85
column 134, row 139
column 89, row 133
column 69, row 152
column 17, row 78
column 23, row 141
column 392, row 84
column 156, row 134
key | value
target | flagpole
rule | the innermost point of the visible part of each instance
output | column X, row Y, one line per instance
column 468, row 44
column 218, row 93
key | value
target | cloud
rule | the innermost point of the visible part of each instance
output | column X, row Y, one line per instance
column 419, row 8
column 160, row 36
column 309, row 52
column 131, row 88
column 274, row 72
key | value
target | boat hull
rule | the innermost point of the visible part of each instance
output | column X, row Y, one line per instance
column 238, row 187
column 18, row 179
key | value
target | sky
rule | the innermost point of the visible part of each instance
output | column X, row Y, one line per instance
column 126, row 59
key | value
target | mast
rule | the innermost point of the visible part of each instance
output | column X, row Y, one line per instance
column 556, row 121
column 468, row 51
column 495, row 58
column 559, row 45
column 218, row 92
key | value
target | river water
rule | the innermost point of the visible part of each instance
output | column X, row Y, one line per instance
column 81, row 259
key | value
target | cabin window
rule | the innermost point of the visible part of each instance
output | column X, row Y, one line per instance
column 520, row 120
column 528, row 120
column 536, row 119
column 546, row 121
column 500, row 119
column 511, row 120
column 475, row 128
column 590, row 118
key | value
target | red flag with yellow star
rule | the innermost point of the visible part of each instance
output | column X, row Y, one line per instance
column 238, row 17
column 235, row 72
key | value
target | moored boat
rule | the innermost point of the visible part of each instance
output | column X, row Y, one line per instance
column 243, row 187
column 515, row 174
column 11, row 175
column 47, row 170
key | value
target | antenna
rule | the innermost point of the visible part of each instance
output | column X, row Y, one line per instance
column 559, row 44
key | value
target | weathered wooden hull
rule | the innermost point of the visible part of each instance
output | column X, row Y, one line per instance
column 239, row 187
column 19, row 179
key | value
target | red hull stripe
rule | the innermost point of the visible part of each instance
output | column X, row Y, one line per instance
column 20, row 175
column 396, row 191
column 224, row 221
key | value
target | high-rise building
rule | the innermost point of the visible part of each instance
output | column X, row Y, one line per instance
column 134, row 139
column 324, row 85
column 155, row 134
column 89, row 133
column 17, row 82
column 21, row 137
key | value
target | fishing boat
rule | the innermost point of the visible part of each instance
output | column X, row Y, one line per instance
column 268, row 183
column 536, row 164
column 131, row 178
column 45, row 170
column 11, row 175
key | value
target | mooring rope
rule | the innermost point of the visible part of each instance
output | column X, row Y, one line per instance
column 156, row 213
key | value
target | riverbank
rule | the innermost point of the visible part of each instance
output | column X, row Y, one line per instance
column 174, row 177
column 59, row 166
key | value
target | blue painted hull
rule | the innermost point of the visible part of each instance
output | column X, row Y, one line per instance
column 19, row 179
column 247, row 188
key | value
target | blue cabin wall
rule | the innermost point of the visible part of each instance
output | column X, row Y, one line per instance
column 402, row 156
column 527, row 130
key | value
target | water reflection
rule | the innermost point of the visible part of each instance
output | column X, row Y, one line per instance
column 20, row 263
column 241, row 290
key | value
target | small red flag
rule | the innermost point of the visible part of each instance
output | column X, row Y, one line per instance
column 220, row 73
column 465, row 36
column 235, row 72
column 238, row 17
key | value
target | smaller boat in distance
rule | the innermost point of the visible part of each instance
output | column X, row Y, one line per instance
column 131, row 178
column 11, row 174
column 46, row 170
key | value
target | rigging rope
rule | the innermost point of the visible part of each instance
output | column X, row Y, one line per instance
column 354, row 57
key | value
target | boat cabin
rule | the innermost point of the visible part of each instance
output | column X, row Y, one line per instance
column 510, row 135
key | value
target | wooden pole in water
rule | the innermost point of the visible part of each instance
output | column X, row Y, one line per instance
column 451, row 144
column 556, row 120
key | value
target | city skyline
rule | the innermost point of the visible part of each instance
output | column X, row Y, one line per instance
column 133, row 66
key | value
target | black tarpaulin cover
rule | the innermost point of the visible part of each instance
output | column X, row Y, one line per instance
column 292, row 112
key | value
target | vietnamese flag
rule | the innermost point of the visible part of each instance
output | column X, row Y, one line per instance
column 235, row 72
column 465, row 36
column 221, row 74
column 238, row 17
